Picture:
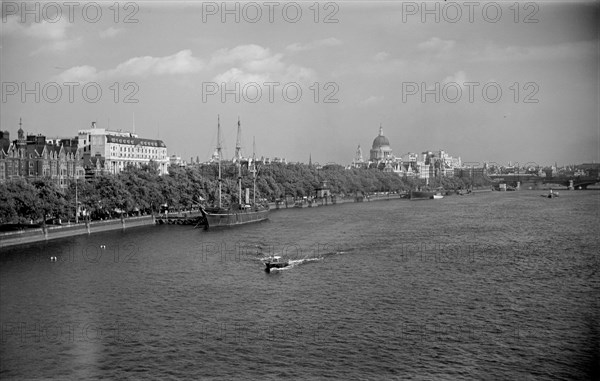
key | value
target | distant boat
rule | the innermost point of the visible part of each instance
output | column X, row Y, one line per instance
column 275, row 262
column 420, row 195
column 550, row 195
column 236, row 214
column 426, row 195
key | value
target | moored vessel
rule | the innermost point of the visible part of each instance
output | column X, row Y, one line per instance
column 236, row 214
column 420, row 195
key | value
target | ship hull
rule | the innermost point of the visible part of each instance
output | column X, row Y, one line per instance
column 419, row 195
column 230, row 218
column 269, row 266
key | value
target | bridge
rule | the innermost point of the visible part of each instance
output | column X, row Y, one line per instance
column 531, row 180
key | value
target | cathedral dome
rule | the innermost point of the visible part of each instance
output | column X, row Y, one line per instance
column 380, row 140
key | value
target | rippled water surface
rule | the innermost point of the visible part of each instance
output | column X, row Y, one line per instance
column 489, row 286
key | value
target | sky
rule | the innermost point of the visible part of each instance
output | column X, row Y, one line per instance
column 494, row 82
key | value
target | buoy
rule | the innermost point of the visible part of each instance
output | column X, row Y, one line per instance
column 103, row 247
column 52, row 259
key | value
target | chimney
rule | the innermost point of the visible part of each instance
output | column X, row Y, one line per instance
column 93, row 124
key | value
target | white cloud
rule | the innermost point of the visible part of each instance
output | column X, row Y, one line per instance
column 244, row 63
column 110, row 32
column 179, row 63
column 459, row 77
column 11, row 26
column 371, row 100
column 49, row 31
column 381, row 56
column 437, row 45
column 236, row 75
column 327, row 42
column 43, row 30
column 52, row 34
column 300, row 74
column 79, row 74
column 254, row 63
column 242, row 53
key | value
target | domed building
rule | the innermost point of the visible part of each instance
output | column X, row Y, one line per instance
column 380, row 156
column 381, row 149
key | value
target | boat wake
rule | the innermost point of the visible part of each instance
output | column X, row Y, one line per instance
column 291, row 262
column 295, row 261
column 340, row 252
column 305, row 260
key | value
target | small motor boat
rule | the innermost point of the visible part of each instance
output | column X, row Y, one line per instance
column 275, row 262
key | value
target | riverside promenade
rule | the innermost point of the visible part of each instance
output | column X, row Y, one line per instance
column 328, row 201
column 50, row 232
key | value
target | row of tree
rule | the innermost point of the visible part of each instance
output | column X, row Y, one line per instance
column 143, row 191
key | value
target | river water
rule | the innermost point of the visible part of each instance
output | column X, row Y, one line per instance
column 498, row 285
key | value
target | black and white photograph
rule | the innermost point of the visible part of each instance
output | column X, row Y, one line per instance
column 303, row 190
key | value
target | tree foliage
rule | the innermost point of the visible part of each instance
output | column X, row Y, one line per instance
column 143, row 190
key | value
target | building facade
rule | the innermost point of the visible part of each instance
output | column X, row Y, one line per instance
column 34, row 157
column 381, row 150
column 107, row 151
column 428, row 165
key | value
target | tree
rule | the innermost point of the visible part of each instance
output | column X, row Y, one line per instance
column 51, row 201
column 8, row 210
column 114, row 196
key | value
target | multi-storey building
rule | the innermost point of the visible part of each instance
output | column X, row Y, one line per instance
column 34, row 157
column 177, row 161
column 381, row 150
column 109, row 151
column 429, row 165
column 93, row 151
column 380, row 156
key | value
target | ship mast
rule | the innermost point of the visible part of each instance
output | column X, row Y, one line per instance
column 219, row 154
column 238, row 155
column 253, row 171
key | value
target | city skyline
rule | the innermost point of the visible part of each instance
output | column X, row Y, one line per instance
column 193, row 159
column 377, row 61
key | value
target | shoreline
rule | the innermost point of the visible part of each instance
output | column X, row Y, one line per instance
column 23, row 237
column 327, row 201
column 28, row 236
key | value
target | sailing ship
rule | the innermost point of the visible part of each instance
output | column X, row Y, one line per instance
column 235, row 214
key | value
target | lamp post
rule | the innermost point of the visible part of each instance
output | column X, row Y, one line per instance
column 76, row 201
